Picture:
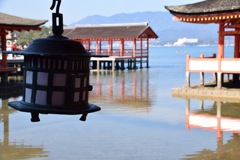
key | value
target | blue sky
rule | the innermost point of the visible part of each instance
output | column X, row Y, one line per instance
column 74, row 10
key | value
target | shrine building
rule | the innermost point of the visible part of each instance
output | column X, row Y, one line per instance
column 117, row 42
column 226, row 14
column 13, row 23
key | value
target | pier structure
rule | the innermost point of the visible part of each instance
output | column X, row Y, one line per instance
column 120, row 44
column 13, row 23
column 226, row 14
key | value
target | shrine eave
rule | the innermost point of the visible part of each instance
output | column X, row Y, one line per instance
column 207, row 18
column 10, row 22
column 208, row 11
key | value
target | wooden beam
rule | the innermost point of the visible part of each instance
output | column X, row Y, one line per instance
column 19, row 28
column 231, row 33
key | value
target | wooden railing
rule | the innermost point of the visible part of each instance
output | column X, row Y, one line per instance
column 213, row 64
column 127, row 52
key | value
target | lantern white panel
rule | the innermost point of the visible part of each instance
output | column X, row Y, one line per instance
column 29, row 77
column 42, row 78
column 77, row 82
column 28, row 95
column 59, row 80
column 41, row 97
column 76, row 96
column 58, row 98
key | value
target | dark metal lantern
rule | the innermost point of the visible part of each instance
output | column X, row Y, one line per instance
column 56, row 78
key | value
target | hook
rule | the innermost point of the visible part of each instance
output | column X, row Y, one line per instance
column 54, row 4
column 57, row 19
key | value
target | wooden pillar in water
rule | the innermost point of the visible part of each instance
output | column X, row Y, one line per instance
column 220, row 54
column 147, row 53
column 202, row 74
column 134, row 53
column 187, row 71
column 141, row 48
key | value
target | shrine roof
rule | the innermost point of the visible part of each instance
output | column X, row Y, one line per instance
column 10, row 22
column 110, row 31
column 206, row 7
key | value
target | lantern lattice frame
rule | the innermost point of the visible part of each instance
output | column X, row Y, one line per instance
column 56, row 75
column 56, row 78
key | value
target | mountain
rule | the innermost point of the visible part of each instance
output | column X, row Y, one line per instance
column 162, row 23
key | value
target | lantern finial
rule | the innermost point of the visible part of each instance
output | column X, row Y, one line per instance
column 57, row 28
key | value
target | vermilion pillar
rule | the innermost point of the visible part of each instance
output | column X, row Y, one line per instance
column 96, row 47
column 109, row 47
column 147, row 53
column 122, row 47
column 220, row 54
column 236, row 55
column 4, row 47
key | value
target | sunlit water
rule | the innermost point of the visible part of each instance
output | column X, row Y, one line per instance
column 139, row 120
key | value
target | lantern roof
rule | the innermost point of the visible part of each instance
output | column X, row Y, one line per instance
column 208, row 11
column 10, row 22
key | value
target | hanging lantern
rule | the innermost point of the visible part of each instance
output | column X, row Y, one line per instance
column 56, row 75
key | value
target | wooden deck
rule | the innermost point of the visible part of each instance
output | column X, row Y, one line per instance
column 112, row 63
column 96, row 63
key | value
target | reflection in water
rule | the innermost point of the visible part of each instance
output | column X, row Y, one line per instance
column 220, row 118
column 15, row 150
column 131, row 91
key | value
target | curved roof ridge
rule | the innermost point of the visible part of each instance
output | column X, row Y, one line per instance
column 7, row 19
column 206, row 7
column 113, row 24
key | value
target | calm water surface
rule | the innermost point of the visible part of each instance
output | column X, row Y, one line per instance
column 139, row 119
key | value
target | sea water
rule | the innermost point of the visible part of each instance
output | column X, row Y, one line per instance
column 139, row 119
